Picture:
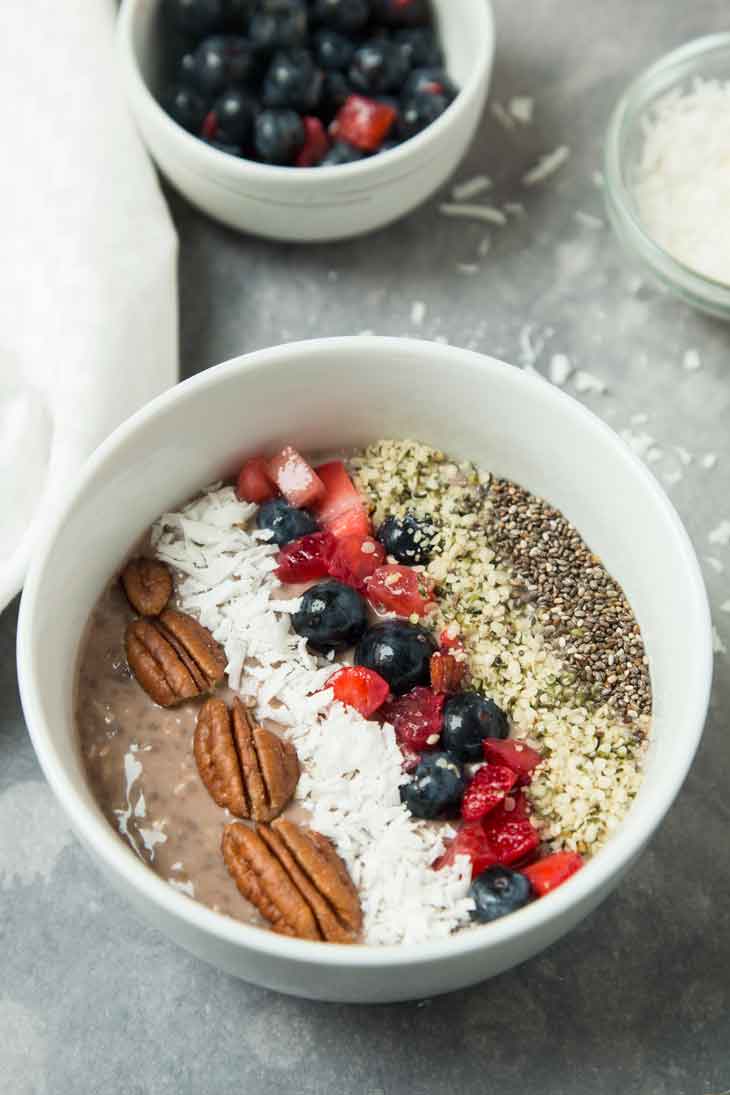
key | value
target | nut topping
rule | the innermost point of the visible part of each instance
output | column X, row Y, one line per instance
column 148, row 585
column 447, row 672
column 295, row 879
column 173, row 657
column 246, row 768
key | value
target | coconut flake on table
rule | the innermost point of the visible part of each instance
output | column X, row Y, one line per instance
column 721, row 534
column 709, row 461
column 351, row 768
column 717, row 643
column 471, row 188
column 716, row 564
column 691, row 361
column 473, row 211
column 521, row 108
column 587, row 382
column 418, row 312
column 546, row 166
column 560, row 369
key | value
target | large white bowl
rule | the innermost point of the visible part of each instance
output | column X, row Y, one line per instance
column 324, row 395
column 324, row 203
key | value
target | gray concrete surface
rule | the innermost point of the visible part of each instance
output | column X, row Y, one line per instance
column 637, row 1000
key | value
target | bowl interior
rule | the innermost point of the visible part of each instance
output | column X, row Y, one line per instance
column 342, row 392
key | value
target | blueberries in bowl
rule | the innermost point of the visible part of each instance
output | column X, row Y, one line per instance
column 497, row 892
column 437, row 787
column 332, row 616
column 407, row 539
column 362, row 75
column 285, row 521
column 399, row 651
column 469, row 718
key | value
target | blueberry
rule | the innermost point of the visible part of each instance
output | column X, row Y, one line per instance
column 341, row 153
column 403, row 13
column 469, row 718
column 333, row 50
column 278, row 137
column 434, row 81
column 436, row 788
column 187, row 108
column 293, row 81
column 420, row 111
column 378, row 66
column 236, row 13
column 335, row 91
column 223, row 146
column 286, row 522
column 218, row 62
column 195, row 17
column 399, row 651
column 407, row 539
column 420, row 47
column 497, row 892
column 282, row 27
column 234, row 112
column 343, row 15
column 332, row 616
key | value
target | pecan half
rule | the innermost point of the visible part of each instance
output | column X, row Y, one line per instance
column 447, row 672
column 173, row 657
column 247, row 769
column 295, row 879
column 148, row 585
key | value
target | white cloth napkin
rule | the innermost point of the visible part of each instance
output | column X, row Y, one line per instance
column 88, row 296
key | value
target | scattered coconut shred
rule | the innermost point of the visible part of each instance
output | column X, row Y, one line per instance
column 351, row 768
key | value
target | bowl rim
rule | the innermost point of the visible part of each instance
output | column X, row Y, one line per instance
column 120, row 862
column 697, row 288
column 207, row 159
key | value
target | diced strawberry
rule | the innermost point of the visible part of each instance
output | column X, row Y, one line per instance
column 316, row 144
column 417, row 718
column 210, row 125
column 399, row 589
column 471, row 841
column 551, row 872
column 254, row 482
column 447, row 672
column 295, row 478
column 514, row 807
column 511, row 840
column 411, row 759
column 341, row 509
column 307, row 558
column 361, row 688
column 355, row 559
column 362, row 122
column 488, row 789
column 518, row 756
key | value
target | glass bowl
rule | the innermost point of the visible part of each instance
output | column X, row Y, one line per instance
column 708, row 58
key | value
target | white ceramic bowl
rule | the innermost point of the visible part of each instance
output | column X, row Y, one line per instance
column 326, row 203
column 324, row 395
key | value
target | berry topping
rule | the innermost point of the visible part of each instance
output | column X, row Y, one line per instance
column 360, row 688
column 341, row 509
column 186, row 107
column 470, row 841
column 430, row 81
column 280, row 27
column 306, row 559
column 416, row 718
column 407, row 539
column 521, row 758
column 378, row 66
column 399, row 651
column 497, row 892
column 402, row 13
column 218, row 63
column 343, row 15
column 293, row 81
column 333, row 50
column 399, row 589
column 295, row 478
column 436, row 787
column 254, row 482
column 419, row 47
column 286, row 522
column 355, row 559
column 194, row 16
column 420, row 111
column 513, row 839
column 335, row 92
column 363, row 123
column 278, row 136
column 331, row 617
column 469, row 718
column 316, row 144
column 341, row 153
column 233, row 113
column 447, row 672
column 489, row 787
column 551, row 872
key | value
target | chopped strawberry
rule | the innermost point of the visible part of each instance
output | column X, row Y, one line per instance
column 294, row 477
column 518, row 756
column 210, row 125
column 411, row 759
column 515, row 807
column 316, row 145
column 511, row 840
column 355, row 559
column 361, row 688
column 305, row 559
column 447, row 672
column 548, row 873
column 471, row 841
column 416, row 717
column 341, row 510
column 362, row 122
column 399, row 589
column 254, row 482
column 488, row 789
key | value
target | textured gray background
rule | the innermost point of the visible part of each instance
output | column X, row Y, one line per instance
column 637, row 1000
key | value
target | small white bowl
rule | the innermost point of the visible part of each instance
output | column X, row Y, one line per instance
column 325, row 395
column 324, row 203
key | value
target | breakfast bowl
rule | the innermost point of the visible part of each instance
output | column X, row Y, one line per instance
column 328, row 395
column 323, row 203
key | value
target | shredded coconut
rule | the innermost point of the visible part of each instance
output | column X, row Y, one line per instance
column 351, row 768
column 473, row 211
column 560, row 369
column 709, row 460
column 691, row 361
column 587, row 382
column 546, row 166
column 521, row 107
column 418, row 312
column 503, row 117
column 721, row 534
column 717, row 644
column 471, row 188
